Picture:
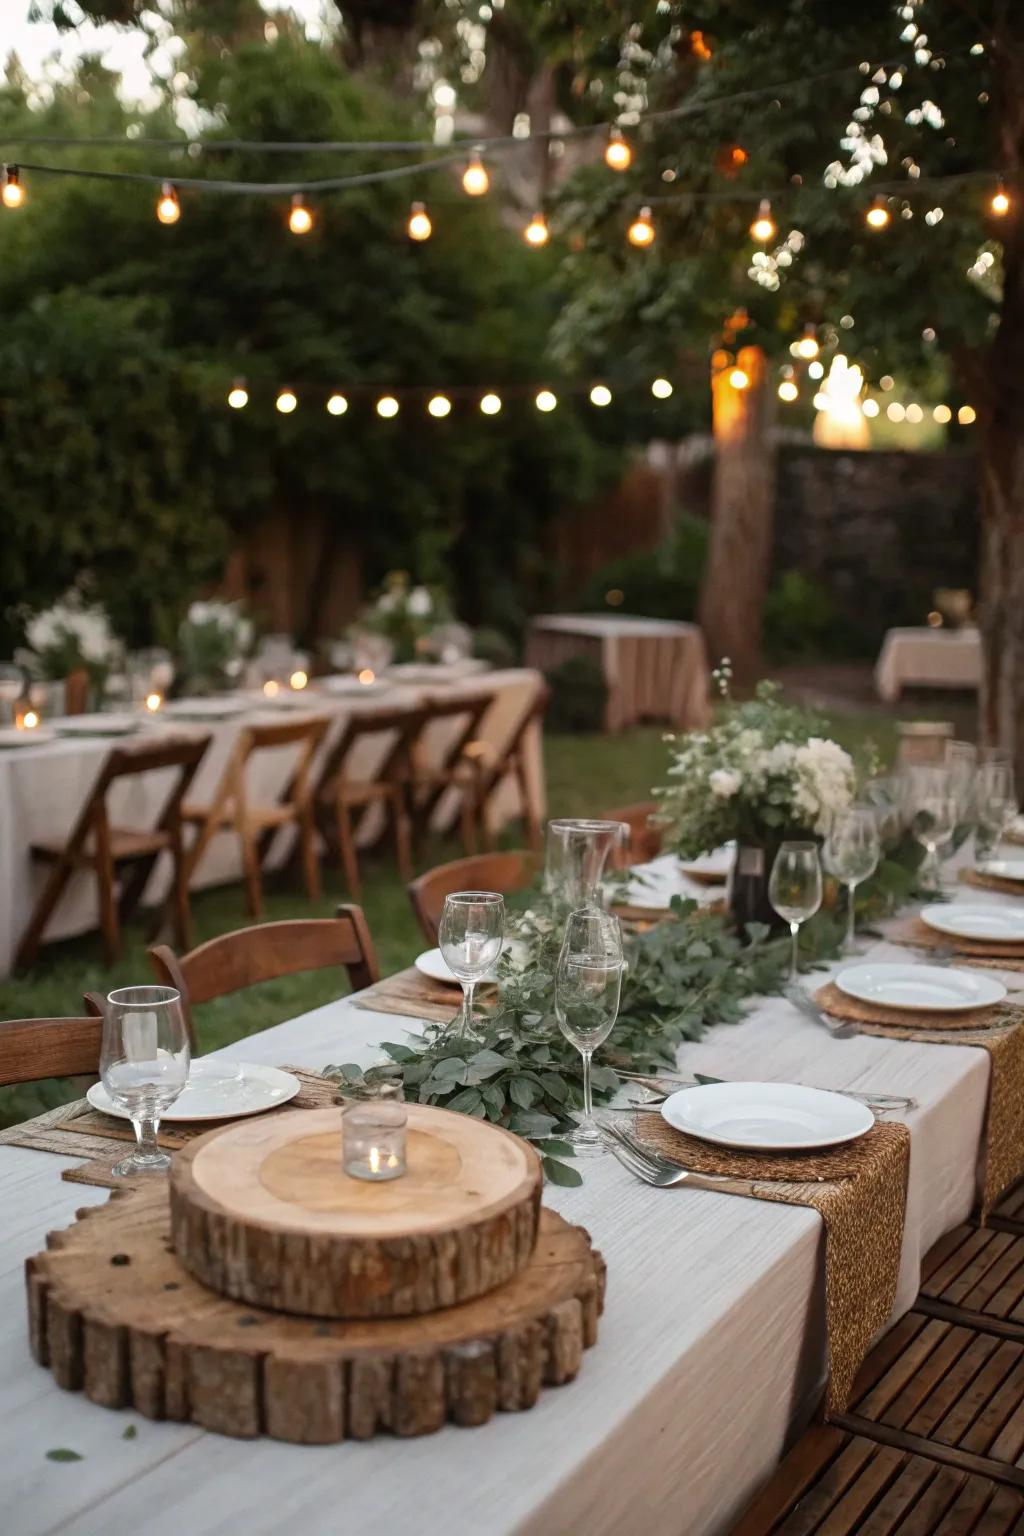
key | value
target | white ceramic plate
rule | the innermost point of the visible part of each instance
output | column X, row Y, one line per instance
column 212, row 1093
column 205, row 709
column 433, row 964
column 711, row 867
column 1003, row 869
column 996, row 924
column 344, row 684
column 767, row 1117
column 10, row 736
column 97, row 725
column 934, row 988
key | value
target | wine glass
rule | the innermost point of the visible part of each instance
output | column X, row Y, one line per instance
column 588, row 987
column 794, row 889
column 995, row 803
column 471, row 933
column 933, row 806
column 851, row 853
column 144, row 1062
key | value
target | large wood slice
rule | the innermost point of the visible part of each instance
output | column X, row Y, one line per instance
column 113, row 1313
column 263, row 1212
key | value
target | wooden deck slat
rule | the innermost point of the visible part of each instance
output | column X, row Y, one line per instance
column 916, row 1502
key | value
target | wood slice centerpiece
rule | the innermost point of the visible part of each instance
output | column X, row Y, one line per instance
column 263, row 1212
column 113, row 1312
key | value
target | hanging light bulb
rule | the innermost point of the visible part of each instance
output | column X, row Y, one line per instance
column 13, row 193
column 536, row 232
column 617, row 153
column 641, row 231
column 788, row 391
column 238, row 395
column 763, row 226
column 877, row 216
column 490, row 404
column 807, row 346
column 300, row 220
column 286, row 401
column 439, row 405
column 1000, row 203
column 168, row 209
column 419, row 225
column 475, row 179
column 337, row 405
column 387, row 406
column 661, row 389
column 546, row 400
column 600, row 395
column 739, row 378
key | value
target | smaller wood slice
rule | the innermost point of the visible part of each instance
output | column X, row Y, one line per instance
column 113, row 1313
column 263, row 1212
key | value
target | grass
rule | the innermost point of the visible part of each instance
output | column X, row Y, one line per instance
column 585, row 776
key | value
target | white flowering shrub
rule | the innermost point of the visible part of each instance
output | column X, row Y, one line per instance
column 72, row 635
column 214, row 639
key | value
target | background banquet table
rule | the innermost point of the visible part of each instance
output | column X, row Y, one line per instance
column 927, row 658
column 43, row 787
column 655, row 669
column 711, row 1349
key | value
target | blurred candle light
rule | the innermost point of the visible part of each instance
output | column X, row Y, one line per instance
column 298, row 680
column 807, row 346
column 419, row 225
column 300, row 220
column 739, row 378
column 537, row 232
column 168, row 209
column 153, row 702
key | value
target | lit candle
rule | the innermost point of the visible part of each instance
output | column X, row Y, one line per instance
column 271, row 688
column 367, row 676
column 26, row 718
column 373, row 1140
column 298, row 679
column 153, row 702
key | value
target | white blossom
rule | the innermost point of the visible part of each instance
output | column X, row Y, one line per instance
column 724, row 782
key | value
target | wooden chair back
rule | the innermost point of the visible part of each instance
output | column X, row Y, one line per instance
column 184, row 753
column 403, row 722
column 645, row 840
column 267, row 951
column 306, row 733
column 468, row 707
column 481, row 872
column 34, row 1049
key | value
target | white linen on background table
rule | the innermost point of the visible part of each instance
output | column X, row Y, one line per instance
column 920, row 657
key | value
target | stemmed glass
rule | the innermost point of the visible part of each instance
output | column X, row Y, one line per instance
column 471, row 934
column 934, row 808
column 144, row 1062
column 588, row 987
column 851, row 853
column 995, row 803
column 794, row 889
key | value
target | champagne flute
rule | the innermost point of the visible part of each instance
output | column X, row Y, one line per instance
column 144, row 1062
column 794, row 889
column 934, row 818
column 588, row 988
column 851, row 853
column 471, row 933
column 996, row 803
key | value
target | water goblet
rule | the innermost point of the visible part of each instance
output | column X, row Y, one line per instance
column 794, row 889
column 144, row 1062
column 996, row 804
column 471, row 933
column 851, row 853
column 588, row 988
column 934, row 809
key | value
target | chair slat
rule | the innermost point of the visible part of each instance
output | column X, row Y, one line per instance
column 34, row 1049
column 481, row 872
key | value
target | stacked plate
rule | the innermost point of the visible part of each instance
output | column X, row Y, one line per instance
column 964, row 920
column 217, row 1090
column 38, row 736
column 767, row 1117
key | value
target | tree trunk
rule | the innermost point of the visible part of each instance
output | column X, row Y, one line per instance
column 742, row 495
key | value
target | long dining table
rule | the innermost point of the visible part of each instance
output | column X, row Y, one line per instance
column 711, row 1353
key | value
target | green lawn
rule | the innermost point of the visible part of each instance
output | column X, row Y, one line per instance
column 585, row 774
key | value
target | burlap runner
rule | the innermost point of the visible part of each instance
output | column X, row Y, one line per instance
column 982, row 952
column 411, row 993
column 999, row 1030
column 986, row 882
column 859, row 1190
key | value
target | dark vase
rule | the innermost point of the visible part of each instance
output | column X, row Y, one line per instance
column 748, row 885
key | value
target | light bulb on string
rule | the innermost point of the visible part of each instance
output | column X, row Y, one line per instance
column 286, row 401
column 739, row 378
column 337, row 405
column 168, row 209
column 490, row 404
column 238, row 395
column 788, row 391
column 419, row 226
column 877, row 216
column 807, row 346
column 439, row 405
column 300, row 220
column 617, row 153
column 600, row 395
column 546, row 400
column 387, row 406
column 763, row 227
column 475, row 180
column 661, row 389
column 1000, row 203
column 13, row 193
column 641, row 231
column 537, row 232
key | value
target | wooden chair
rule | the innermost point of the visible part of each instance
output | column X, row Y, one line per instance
column 339, row 796
column 34, row 1049
column 461, row 766
column 255, row 823
column 96, row 844
column 482, row 872
column 248, row 956
column 645, row 840
column 510, row 762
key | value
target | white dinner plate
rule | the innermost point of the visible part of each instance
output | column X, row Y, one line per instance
column 10, row 736
column 97, row 725
column 767, row 1117
column 205, row 709
column 213, row 1093
column 996, row 924
column 711, row 868
column 343, row 684
column 934, row 988
column 1003, row 869
column 433, row 964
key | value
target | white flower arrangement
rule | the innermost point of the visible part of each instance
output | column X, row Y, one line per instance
column 405, row 615
column 72, row 635
column 214, row 639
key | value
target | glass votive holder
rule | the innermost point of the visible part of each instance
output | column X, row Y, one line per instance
column 373, row 1138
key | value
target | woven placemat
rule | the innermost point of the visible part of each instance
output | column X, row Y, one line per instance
column 411, row 993
column 999, row 957
column 983, row 881
column 859, row 1190
column 999, row 1030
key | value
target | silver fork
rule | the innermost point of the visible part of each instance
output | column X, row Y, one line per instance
column 661, row 1174
column 878, row 1101
column 837, row 1028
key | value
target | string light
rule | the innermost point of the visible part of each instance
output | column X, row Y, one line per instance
column 546, row 400
column 895, row 411
column 807, row 346
column 870, row 408
column 877, row 216
column 788, row 391
column 739, row 378
column 13, row 193
column 286, row 401
column 300, row 220
column 439, row 405
column 238, row 395
column 490, row 404
column 298, row 680
column 641, row 231
column 168, row 209
column 600, row 395
column 475, row 180
column 942, row 414
column 1000, row 203
column 337, row 405
column 816, row 370
column 617, row 153
column 661, row 389
column 966, row 414
column 763, row 226
column 387, row 406
column 915, row 415
column 419, row 226
column 536, row 232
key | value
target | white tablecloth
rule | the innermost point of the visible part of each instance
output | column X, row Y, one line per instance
column 42, row 789
column 711, row 1349
column 928, row 658
column 655, row 669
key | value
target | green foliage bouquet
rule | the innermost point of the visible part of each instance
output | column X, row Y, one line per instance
column 406, row 615
column 213, row 642
column 73, row 635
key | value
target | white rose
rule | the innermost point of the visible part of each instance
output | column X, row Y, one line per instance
column 198, row 613
column 419, row 603
column 724, row 782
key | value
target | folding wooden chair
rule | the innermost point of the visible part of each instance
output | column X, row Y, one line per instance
column 32, row 1050
column 510, row 762
column 269, row 950
column 461, row 764
column 255, row 823
column 483, row 872
column 94, row 843
column 645, row 839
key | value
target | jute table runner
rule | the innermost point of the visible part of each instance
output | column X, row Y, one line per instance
column 980, row 952
column 999, row 1030
column 986, row 882
column 78, row 1130
column 859, row 1191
